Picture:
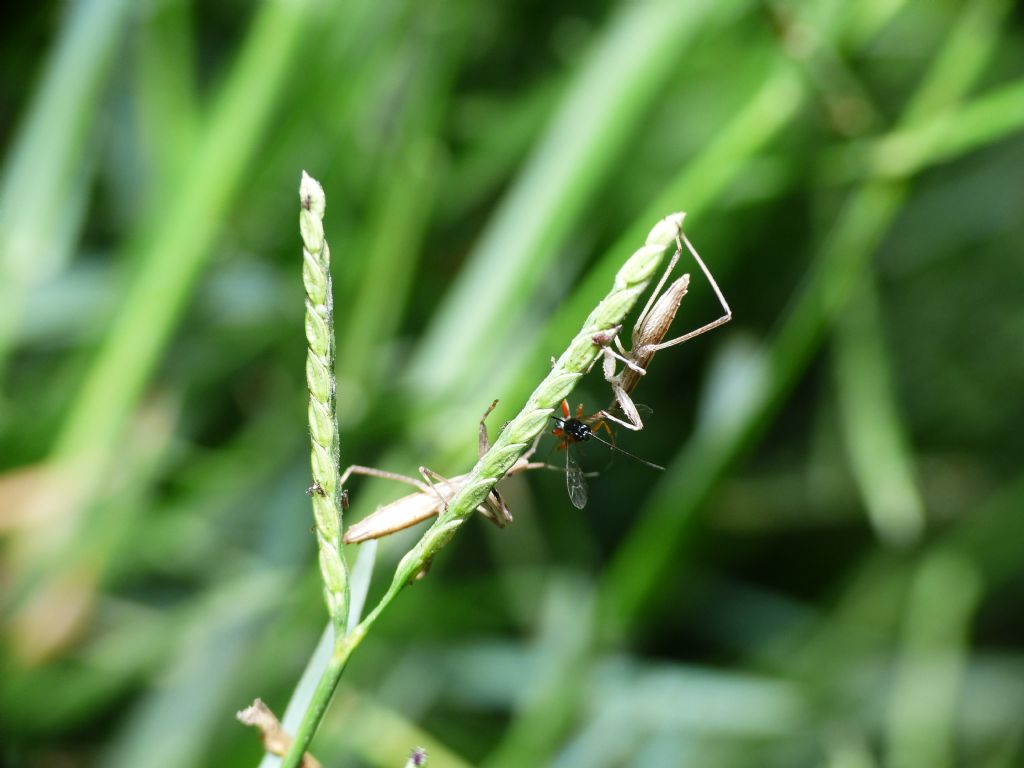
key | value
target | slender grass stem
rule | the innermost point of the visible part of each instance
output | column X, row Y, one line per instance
column 630, row 282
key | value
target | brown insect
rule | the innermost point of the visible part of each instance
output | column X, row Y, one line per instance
column 649, row 331
column 433, row 493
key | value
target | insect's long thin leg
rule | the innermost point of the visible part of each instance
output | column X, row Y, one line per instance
column 710, row 278
column 629, row 409
column 496, row 514
column 602, row 424
column 495, row 509
column 625, row 360
column 622, row 350
column 634, row 426
column 430, row 476
column 725, row 318
column 523, row 464
column 531, row 450
column 483, row 443
column 356, row 469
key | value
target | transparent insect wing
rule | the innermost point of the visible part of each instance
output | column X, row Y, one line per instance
column 574, row 482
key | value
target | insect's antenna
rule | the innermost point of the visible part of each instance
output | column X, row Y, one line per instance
column 611, row 443
column 614, row 447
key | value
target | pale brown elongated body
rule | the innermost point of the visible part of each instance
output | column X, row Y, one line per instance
column 402, row 513
column 649, row 331
column 432, row 495
column 428, row 502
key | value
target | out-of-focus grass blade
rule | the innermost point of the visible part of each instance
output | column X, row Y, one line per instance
column 986, row 119
column 737, row 379
column 929, row 673
column 71, row 307
column 48, row 621
column 403, row 199
column 602, row 109
column 695, row 189
column 633, row 701
column 853, row 641
column 992, row 538
column 500, row 133
column 359, row 581
column 46, row 160
column 178, row 247
column 862, row 21
column 173, row 725
column 166, row 94
column 172, row 254
column 698, row 185
column 651, row 549
column 379, row 735
column 872, row 424
column 671, row 749
column 848, row 751
column 304, row 689
column 560, row 670
column 990, row 730
column 872, row 601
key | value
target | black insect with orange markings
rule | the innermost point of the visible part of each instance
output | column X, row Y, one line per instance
column 572, row 430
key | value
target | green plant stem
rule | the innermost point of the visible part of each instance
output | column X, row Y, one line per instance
column 318, row 704
column 630, row 282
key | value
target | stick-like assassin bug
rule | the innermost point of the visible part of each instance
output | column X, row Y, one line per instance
column 650, row 329
column 432, row 495
column 648, row 335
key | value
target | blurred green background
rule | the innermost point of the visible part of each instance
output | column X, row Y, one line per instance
column 829, row 573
